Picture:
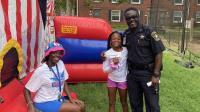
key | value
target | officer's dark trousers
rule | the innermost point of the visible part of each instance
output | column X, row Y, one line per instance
column 137, row 88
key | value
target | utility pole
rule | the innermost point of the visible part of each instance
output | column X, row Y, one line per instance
column 154, row 13
column 185, row 13
column 68, row 7
column 77, row 7
column 157, row 14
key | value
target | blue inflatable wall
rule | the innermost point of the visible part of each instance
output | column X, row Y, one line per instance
column 82, row 50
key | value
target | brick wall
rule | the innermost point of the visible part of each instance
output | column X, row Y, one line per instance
column 165, row 13
column 106, row 6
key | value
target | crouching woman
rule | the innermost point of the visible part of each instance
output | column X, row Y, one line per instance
column 48, row 82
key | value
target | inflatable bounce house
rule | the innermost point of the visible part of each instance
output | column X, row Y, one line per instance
column 83, row 39
column 22, row 44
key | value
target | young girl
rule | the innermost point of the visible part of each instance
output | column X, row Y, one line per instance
column 49, row 82
column 116, row 67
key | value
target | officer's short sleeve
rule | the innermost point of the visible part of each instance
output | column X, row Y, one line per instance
column 156, row 43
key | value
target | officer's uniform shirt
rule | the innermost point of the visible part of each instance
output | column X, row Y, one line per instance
column 142, row 45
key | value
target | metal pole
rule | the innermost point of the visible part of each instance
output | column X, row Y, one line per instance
column 157, row 11
column 191, row 29
column 77, row 9
column 151, row 13
column 183, row 26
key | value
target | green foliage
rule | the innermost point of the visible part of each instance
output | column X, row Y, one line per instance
column 122, row 1
column 119, row 27
column 88, row 3
column 60, row 5
column 179, row 90
column 73, row 3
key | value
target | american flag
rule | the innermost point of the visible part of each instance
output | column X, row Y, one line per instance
column 49, row 28
column 21, row 20
column 50, row 7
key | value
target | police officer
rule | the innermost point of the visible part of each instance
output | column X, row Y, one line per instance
column 144, row 63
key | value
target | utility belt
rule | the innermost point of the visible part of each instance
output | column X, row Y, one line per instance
column 141, row 66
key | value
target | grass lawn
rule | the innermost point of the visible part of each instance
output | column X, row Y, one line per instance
column 119, row 27
column 180, row 90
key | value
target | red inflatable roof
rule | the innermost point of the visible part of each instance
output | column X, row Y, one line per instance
column 81, row 28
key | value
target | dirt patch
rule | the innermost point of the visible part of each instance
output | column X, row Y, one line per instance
column 194, row 46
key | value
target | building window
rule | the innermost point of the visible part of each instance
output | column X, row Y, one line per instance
column 198, row 17
column 96, row 12
column 136, row 1
column 115, row 1
column 177, row 17
column 115, row 15
column 198, row 2
column 178, row 2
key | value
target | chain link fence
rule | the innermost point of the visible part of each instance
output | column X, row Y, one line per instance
column 180, row 29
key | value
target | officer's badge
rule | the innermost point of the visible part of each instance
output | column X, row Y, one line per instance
column 155, row 36
column 141, row 36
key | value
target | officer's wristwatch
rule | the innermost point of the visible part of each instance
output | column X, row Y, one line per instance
column 156, row 74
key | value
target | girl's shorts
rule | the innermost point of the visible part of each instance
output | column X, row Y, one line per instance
column 120, row 85
column 50, row 106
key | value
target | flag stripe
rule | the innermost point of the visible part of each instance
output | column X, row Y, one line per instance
column 2, row 32
column 37, row 33
column 6, row 19
column 19, row 22
column 12, row 18
column 33, row 33
column 24, row 33
column 29, row 25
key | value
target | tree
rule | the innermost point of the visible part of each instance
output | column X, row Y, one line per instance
column 88, row 3
column 71, row 7
column 68, row 7
column 60, row 5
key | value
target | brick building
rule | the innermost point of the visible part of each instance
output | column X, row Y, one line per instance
column 111, row 10
column 163, row 12
column 171, row 11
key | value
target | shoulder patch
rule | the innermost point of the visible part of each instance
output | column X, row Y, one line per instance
column 155, row 36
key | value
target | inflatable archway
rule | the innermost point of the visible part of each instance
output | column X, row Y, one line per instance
column 83, row 39
column 21, row 48
column 8, row 64
column 21, row 28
